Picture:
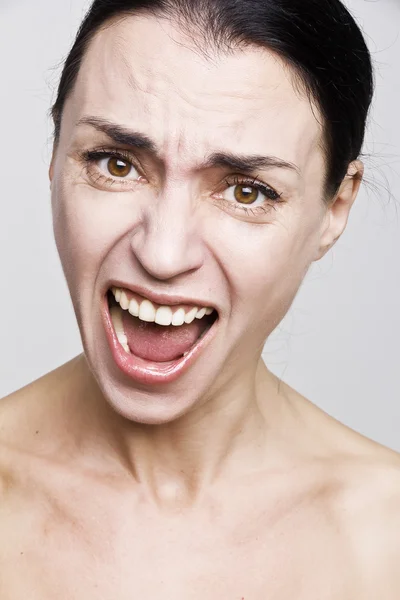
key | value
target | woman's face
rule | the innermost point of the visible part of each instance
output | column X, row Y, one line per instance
column 185, row 220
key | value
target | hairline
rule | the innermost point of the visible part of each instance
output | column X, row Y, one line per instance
column 187, row 27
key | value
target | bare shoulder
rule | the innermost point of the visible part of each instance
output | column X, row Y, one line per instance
column 21, row 411
column 379, row 527
column 362, row 481
column 27, row 414
column 368, row 511
column 20, row 422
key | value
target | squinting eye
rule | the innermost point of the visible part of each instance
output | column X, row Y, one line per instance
column 118, row 167
column 248, row 194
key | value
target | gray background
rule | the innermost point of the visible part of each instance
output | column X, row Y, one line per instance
column 339, row 344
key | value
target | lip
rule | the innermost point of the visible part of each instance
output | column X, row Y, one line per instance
column 161, row 299
column 149, row 372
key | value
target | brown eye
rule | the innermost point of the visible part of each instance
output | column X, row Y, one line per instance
column 246, row 194
column 118, row 167
column 242, row 193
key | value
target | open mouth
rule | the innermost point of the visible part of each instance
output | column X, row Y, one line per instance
column 160, row 334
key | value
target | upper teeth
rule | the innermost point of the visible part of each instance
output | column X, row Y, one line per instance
column 146, row 311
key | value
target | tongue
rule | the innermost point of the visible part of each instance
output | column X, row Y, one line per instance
column 158, row 343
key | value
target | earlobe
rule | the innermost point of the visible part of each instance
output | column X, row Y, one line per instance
column 338, row 212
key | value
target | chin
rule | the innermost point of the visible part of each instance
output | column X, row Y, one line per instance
column 147, row 408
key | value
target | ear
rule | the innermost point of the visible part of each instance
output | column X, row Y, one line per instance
column 51, row 167
column 338, row 211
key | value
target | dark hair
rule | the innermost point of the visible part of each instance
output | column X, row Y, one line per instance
column 319, row 39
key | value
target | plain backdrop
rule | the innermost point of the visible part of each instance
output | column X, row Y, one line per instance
column 338, row 345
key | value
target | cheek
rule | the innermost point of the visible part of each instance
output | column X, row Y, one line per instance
column 86, row 228
column 267, row 263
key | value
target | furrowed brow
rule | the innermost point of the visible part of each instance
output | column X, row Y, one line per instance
column 120, row 135
column 224, row 160
column 247, row 164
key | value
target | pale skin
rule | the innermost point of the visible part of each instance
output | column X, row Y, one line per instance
column 226, row 484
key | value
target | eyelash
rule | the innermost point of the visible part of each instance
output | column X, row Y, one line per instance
column 265, row 189
column 89, row 157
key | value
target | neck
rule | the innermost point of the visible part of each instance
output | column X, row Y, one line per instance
column 175, row 463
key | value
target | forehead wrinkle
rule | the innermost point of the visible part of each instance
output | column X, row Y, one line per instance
column 129, row 76
column 161, row 72
column 210, row 99
column 180, row 117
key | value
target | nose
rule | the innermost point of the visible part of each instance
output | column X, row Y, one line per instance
column 168, row 242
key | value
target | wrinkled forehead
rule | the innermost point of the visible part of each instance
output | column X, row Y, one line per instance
column 142, row 72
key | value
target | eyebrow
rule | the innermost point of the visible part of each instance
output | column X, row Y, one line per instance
column 247, row 164
column 243, row 163
column 119, row 134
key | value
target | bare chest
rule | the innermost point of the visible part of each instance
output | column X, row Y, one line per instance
column 96, row 557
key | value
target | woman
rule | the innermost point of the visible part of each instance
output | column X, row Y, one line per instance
column 205, row 155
